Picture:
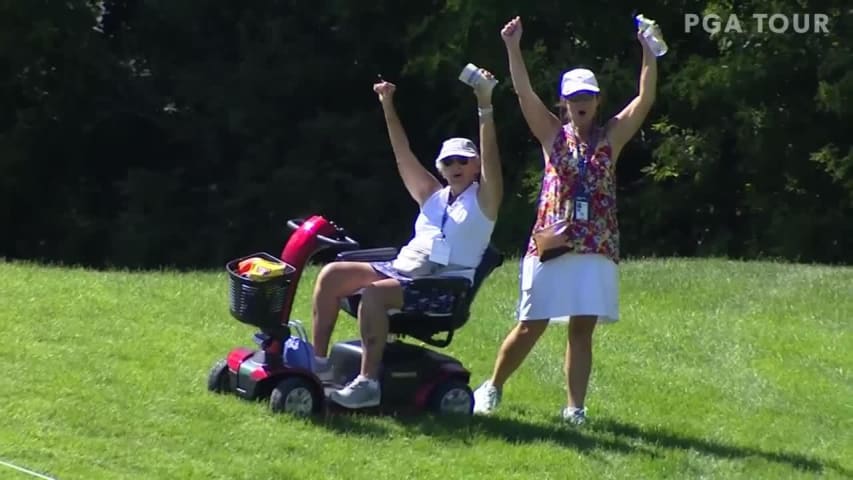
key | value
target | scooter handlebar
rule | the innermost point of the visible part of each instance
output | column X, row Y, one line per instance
column 295, row 223
column 344, row 243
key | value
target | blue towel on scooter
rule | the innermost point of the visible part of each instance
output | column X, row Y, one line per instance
column 298, row 353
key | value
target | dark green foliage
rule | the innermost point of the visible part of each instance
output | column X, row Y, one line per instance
column 147, row 133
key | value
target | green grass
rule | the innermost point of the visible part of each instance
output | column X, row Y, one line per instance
column 717, row 369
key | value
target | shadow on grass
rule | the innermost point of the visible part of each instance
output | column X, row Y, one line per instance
column 671, row 440
column 464, row 431
column 598, row 435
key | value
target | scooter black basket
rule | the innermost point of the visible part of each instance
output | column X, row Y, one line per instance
column 258, row 302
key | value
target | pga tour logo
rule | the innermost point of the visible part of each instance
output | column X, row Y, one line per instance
column 773, row 22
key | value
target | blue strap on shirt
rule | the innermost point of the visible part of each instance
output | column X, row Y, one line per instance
column 446, row 209
column 580, row 187
column 448, row 203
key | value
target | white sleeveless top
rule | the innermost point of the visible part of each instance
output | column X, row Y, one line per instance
column 467, row 230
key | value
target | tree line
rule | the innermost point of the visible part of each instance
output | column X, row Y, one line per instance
column 148, row 133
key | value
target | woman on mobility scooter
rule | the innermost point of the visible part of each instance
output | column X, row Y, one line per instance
column 451, row 232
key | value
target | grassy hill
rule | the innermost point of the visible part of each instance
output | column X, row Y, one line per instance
column 717, row 369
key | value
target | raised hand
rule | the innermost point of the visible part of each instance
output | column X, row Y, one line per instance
column 385, row 90
column 511, row 32
column 484, row 88
column 645, row 43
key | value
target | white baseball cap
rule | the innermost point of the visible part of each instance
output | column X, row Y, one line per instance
column 452, row 147
column 578, row 80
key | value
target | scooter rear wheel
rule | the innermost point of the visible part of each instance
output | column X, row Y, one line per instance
column 452, row 398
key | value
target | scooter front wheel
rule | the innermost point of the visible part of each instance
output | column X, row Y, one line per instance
column 296, row 396
column 217, row 379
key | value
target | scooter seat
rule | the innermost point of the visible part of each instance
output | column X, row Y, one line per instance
column 425, row 325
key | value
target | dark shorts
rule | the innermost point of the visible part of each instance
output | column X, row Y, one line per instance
column 417, row 300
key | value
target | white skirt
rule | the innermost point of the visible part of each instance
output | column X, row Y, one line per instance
column 571, row 284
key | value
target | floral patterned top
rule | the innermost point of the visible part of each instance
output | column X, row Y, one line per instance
column 600, row 234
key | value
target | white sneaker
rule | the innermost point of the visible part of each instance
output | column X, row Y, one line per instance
column 487, row 397
column 362, row 392
column 574, row 415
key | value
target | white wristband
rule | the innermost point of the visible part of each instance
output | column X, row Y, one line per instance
column 483, row 111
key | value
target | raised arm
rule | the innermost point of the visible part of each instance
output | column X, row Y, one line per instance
column 491, row 176
column 417, row 179
column 542, row 122
column 625, row 124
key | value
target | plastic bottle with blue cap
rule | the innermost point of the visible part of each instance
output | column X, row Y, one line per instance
column 652, row 35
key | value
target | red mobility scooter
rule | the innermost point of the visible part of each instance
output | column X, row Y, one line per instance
column 413, row 378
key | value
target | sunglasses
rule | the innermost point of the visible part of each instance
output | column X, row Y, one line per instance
column 448, row 161
column 581, row 97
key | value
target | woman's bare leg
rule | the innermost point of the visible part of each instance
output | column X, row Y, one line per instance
column 579, row 358
column 515, row 348
column 336, row 280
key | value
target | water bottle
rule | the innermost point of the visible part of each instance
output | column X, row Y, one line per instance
column 652, row 35
column 471, row 76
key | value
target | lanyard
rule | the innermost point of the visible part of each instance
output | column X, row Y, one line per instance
column 448, row 203
column 580, row 188
column 447, row 207
column 444, row 219
column 446, row 214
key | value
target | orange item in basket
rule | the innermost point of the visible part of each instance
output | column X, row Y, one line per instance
column 256, row 268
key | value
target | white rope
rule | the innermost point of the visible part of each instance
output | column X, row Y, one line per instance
column 24, row 470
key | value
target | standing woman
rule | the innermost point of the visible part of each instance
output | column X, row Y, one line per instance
column 569, row 270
